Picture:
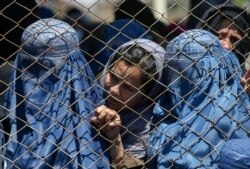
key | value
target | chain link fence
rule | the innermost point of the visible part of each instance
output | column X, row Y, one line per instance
column 176, row 113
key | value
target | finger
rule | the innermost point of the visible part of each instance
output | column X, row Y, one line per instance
column 94, row 120
column 111, row 115
column 243, row 81
column 100, row 109
column 246, row 76
column 102, row 115
column 247, row 81
column 115, row 123
column 246, row 86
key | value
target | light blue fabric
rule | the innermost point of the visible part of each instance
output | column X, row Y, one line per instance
column 116, row 34
column 51, row 99
column 3, row 114
column 205, row 95
column 136, row 123
column 235, row 154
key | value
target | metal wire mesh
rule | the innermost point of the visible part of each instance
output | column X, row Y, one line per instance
column 58, row 106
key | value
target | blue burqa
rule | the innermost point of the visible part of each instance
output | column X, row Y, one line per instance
column 51, row 99
column 205, row 97
column 235, row 154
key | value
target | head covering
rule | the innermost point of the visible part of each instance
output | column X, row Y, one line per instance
column 115, row 34
column 51, row 100
column 235, row 154
column 154, row 49
column 212, row 19
column 205, row 95
column 172, row 30
column 135, row 125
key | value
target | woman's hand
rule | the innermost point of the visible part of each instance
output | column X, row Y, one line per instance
column 108, row 121
column 245, row 82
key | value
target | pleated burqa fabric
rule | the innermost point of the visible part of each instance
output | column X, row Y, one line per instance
column 51, row 99
column 205, row 96
column 235, row 154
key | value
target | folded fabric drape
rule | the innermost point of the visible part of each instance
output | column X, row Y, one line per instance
column 206, row 97
column 53, row 95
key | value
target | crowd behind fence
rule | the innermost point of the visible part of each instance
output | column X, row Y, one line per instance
column 135, row 89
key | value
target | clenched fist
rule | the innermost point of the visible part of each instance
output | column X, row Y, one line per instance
column 108, row 121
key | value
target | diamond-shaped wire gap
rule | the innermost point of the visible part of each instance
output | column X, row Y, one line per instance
column 36, row 86
column 46, row 3
column 93, row 83
column 133, row 17
column 36, row 105
column 12, row 43
column 7, row 6
column 153, row 26
column 39, row 157
column 79, row 115
column 99, row 155
column 211, row 16
column 28, row 151
column 4, row 82
column 82, row 72
column 93, row 37
column 181, row 7
column 107, row 18
column 198, row 5
column 77, row 21
column 90, row 10
column 24, row 7
column 196, row 88
column 120, row 33
column 79, row 139
column 188, row 93
column 178, row 27
column 184, row 148
column 99, row 134
column 168, row 116
column 205, row 140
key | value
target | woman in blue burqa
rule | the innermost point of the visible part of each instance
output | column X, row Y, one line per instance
column 51, row 99
column 205, row 97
